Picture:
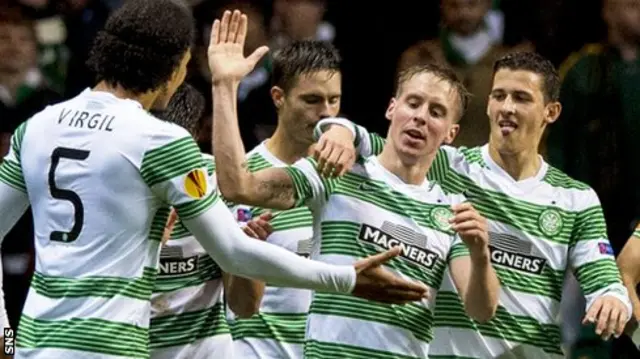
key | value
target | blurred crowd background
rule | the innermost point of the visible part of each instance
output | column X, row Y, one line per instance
column 595, row 44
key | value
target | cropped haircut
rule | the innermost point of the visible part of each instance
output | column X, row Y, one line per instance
column 301, row 58
column 440, row 71
column 185, row 109
column 536, row 63
column 142, row 44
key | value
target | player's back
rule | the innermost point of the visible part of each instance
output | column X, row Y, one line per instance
column 85, row 164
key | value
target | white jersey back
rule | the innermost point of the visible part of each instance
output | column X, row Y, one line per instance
column 367, row 211
column 187, row 305
column 100, row 173
column 277, row 331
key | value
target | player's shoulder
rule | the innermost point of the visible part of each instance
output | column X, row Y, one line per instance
column 558, row 179
column 577, row 193
column 47, row 113
column 359, row 168
column 162, row 133
column 460, row 158
column 255, row 151
column 444, row 197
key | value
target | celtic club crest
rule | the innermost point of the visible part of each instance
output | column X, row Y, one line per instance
column 440, row 217
column 550, row 222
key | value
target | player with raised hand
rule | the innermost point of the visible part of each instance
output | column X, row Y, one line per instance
column 101, row 174
column 381, row 203
column 306, row 81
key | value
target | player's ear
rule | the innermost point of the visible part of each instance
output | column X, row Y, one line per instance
column 552, row 112
column 391, row 109
column 277, row 96
column 452, row 133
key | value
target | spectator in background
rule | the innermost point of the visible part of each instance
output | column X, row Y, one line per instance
column 470, row 40
column 299, row 20
column 595, row 139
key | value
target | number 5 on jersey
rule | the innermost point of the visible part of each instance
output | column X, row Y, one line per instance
column 65, row 194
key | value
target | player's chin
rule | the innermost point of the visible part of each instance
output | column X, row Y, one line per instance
column 410, row 157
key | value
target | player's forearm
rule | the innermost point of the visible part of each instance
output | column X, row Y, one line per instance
column 629, row 264
column 242, row 256
column 483, row 288
column 243, row 295
column 633, row 296
column 228, row 149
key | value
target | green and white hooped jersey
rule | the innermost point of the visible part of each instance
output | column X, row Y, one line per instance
column 367, row 211
column 277, row 331
column 100, row 173
column 187, row 306
column 540, row 228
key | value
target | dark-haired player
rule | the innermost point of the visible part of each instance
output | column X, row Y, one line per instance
column 100, row 174
column 306, row 88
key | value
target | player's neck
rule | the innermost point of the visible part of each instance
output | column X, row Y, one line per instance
column 520, row 165
column 146, row 99
column 286, row 149
column 408, row 171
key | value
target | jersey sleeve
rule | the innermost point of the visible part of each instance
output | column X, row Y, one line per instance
column 176, row 172
column 11, row 168
column 591, row 255
column 311, row 189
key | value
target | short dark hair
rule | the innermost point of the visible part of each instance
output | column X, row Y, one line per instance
column 441, row 71
column 303, row 57
column 142, row 44
column 536, row 63
column 185, row 108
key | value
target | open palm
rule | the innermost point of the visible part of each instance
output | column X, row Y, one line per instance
column 226, row 58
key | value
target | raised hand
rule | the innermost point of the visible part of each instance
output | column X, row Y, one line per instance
column 335, row 152
column 471, row 227
column 373, row 282
column 226, row 46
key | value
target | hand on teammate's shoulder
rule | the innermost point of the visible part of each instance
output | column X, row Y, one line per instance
column 335, row 152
